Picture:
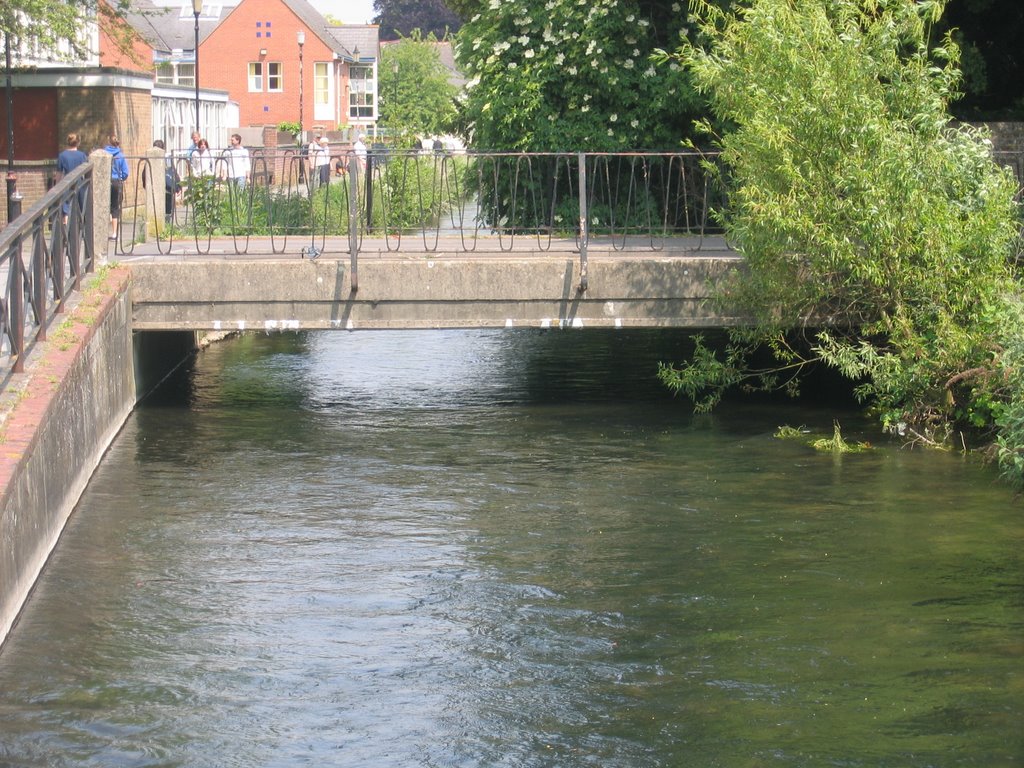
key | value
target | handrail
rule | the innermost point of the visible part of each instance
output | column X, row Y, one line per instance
column 432, row 201
column 56, row 237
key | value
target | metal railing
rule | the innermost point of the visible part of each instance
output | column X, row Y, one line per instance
column 428, row 200
column 44, row 254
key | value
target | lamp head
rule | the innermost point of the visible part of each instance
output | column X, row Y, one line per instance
column 197, row 7
column 301, row 36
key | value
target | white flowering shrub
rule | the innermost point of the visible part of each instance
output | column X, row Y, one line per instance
column 569, row 75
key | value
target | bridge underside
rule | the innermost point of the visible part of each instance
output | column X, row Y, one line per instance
column 434, row 291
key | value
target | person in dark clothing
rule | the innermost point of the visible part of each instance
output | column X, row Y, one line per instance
column 118, row 174
column 67, row 161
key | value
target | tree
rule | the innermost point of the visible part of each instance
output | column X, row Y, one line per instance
column 854, row 201
column 51, row 23
column 416, row 96
column 558, row 75
column 401, row 18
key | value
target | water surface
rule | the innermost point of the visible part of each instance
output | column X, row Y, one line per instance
column 468, row 548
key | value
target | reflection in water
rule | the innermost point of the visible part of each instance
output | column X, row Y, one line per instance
column 512, row 549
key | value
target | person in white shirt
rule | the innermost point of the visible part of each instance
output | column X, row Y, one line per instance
column 322, row 161
column 202, row 159
column 317, row 154
column 237, row 163
column 359, row 148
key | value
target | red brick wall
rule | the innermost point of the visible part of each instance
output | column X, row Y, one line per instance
column 46, row 115
column 225, row 55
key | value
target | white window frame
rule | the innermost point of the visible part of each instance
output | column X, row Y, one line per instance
column 272, row 76
column 255, row 76
column 362, row 92
column 323, row 91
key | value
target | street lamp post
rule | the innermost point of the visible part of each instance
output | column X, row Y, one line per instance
column 301, row 139
column 394, row 100
column 197, row 8
column 13, row 196
column 301, row 37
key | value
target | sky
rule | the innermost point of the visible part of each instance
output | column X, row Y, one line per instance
column 347, row 11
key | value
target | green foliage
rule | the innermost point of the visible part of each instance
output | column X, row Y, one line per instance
column 62, row 29
column 416, row 96
column 836, row 443
column 563, row 75
column 857, row 205
column 293, row 128
column 1009, row 445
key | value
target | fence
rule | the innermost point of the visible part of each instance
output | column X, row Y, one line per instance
column 55, row 238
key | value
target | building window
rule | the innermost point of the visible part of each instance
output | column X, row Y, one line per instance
column 361, row 93
column 275, row 80
column 176, row 73
column 321, row 84
column 165, row 73
column 210, row 11
column 360, row 105
column 255, row 77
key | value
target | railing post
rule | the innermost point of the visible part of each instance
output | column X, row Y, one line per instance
column 16, row 302
column 584, row 222
column 353, row 219
column 39, row 278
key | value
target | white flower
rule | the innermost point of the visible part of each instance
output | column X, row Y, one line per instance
column 572, row 70
column 613, row 116
column 611, row 132
column 594, row 63
column 634, row 122
column 585, row 108
column 559, row 59
column 636, row 51
column 649, row 72
column 630, row 18
column 676, row 8
column 644, row 23
column 476, row 43
column 513, row 65
column 524, row 40
column 528, row 53
column 586, row 97
column 628, row 64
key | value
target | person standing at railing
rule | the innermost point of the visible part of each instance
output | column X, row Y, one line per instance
column 359, row 149
column 118, row 175
column 237, row 163
column 319, row 158
column 202, row 159
column 323, row 162
column 67, row 161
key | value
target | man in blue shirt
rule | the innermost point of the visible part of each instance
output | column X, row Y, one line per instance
column 67, row 161
column 118, row 174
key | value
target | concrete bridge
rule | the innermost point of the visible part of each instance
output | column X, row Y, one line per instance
column 629, row 287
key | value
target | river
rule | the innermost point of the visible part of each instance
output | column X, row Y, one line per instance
column 513, row 548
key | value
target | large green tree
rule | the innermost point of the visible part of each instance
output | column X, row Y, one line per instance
column 566, row 75
column 416, row 96
column 859, row 207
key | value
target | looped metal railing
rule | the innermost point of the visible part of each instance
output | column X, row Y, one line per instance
column 44, row 254
column 481, row 201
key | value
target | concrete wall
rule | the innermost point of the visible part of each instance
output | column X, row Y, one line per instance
column 70, row 405
column 431, row 292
